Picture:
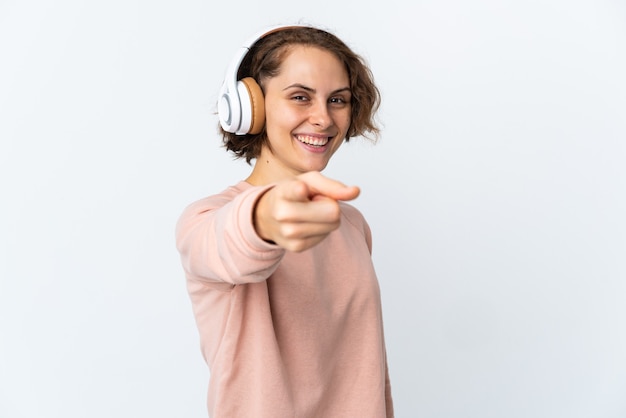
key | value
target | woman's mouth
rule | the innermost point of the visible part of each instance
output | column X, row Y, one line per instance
column 314, row 141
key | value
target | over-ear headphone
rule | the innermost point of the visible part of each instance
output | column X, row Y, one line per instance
column 241, row 105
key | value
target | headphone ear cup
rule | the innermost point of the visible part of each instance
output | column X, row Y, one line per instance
column 256, row 103
column 225, row 112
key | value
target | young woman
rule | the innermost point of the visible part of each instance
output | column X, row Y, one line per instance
column 278, row 266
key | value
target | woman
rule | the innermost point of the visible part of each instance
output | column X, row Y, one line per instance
column 278, row 266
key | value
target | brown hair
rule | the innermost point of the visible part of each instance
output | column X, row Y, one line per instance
column 264, row 60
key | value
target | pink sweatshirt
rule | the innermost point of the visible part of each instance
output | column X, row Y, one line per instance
column 284, row 334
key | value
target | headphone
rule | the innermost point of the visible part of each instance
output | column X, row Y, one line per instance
column 241, row 105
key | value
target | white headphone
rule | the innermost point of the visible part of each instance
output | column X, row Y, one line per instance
column 241, row 105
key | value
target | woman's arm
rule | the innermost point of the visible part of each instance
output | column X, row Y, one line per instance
column 217, row 241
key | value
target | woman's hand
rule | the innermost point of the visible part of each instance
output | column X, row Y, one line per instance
column 297, row 214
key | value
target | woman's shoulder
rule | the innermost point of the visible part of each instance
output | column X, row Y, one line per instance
column 353, row 215
column 355, row 218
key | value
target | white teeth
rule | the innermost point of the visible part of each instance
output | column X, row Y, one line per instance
column 312, row 140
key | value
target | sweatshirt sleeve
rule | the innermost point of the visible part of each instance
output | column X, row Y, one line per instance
column 217, row 241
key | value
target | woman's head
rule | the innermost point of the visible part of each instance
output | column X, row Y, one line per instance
column 264, row 62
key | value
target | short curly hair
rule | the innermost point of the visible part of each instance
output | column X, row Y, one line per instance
column 263, row 61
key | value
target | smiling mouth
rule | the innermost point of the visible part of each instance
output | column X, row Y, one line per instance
column 314, row 141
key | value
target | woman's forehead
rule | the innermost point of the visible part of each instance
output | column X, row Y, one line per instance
column 313, row 62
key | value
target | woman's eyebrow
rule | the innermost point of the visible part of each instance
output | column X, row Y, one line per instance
column 312, row 90
column 299, row 86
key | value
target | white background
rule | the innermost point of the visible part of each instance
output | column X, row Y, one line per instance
column 496, row 196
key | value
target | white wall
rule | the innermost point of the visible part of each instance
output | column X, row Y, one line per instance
column 496, row 196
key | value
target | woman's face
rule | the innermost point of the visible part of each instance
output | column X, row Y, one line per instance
column 308, row 111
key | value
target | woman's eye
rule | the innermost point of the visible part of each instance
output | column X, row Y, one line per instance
column 338, row 100
column 299, row 98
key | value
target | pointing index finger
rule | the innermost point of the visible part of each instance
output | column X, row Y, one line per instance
column 321, row 185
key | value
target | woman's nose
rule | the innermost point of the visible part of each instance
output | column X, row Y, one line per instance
column 320, row 116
